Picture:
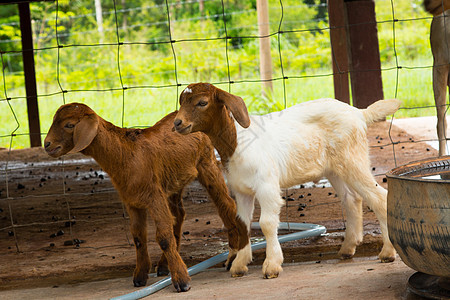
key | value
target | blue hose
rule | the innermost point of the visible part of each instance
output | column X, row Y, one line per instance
column 308, row 230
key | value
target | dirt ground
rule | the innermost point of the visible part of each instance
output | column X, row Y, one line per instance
column 62, row 222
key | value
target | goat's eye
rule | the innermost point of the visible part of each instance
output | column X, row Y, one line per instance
column 69, row 125
column 202, row 103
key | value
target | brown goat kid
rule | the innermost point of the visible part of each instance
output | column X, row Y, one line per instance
column 149, row 168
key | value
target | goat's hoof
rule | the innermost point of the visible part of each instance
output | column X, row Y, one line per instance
column 387, row 259
column 238, row 272
column 139, row 282
column 182, row 286
column 346, row 256
column 162, row 271
column 271, row 270
column 270, row 276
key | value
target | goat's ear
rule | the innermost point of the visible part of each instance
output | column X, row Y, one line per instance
column 84, row 132
column 236, row 105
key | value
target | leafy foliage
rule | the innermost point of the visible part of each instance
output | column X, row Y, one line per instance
column 210, row 42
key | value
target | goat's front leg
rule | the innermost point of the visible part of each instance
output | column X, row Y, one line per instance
column 240, row 260
column 138, row 220
column 270, row 201
column 177, row 209
column 160, row 213
column 210, row 176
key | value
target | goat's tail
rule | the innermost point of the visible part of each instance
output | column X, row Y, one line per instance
column 380, row 109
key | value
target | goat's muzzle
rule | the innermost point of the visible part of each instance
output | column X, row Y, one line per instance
column 180, row 127
column 52, row 151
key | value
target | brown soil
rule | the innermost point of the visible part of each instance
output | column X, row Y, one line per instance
column 53, row 202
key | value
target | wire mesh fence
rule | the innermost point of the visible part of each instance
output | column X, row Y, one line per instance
column 131, row 71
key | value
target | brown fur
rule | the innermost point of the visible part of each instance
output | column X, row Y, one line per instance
column 436, row 7
column 149, row 168
column 216, row 123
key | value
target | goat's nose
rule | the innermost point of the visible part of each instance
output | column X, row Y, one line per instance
column 47, row 144
column 177, row 122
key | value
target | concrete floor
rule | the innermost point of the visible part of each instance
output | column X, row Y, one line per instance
column 360, row 278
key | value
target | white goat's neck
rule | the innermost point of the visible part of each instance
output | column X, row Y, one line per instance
column 223, row 135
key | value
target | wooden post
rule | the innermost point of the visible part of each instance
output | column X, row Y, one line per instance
column 339, row 54
column 265, row 59
column 365, row 66
column 99, row 18
column 30, row 74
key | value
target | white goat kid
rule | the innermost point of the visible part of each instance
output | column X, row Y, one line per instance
column 306, row 142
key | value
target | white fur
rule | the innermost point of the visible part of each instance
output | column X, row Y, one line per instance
column 320, row 138
column 187, row 90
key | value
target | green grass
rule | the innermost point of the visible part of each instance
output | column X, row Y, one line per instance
column 305, row 53
column 143, row 107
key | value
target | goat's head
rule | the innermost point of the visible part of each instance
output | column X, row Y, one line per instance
column 201, row 104
column 73, row 129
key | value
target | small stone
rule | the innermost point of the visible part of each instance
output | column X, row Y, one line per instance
column 68, row 224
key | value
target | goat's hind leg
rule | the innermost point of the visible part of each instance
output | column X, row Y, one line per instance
column 352, row 204
column 162, row 216
column 177, row 209
column 362, row 182
column 138, row 220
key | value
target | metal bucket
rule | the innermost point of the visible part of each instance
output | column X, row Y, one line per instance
column 419, row 214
